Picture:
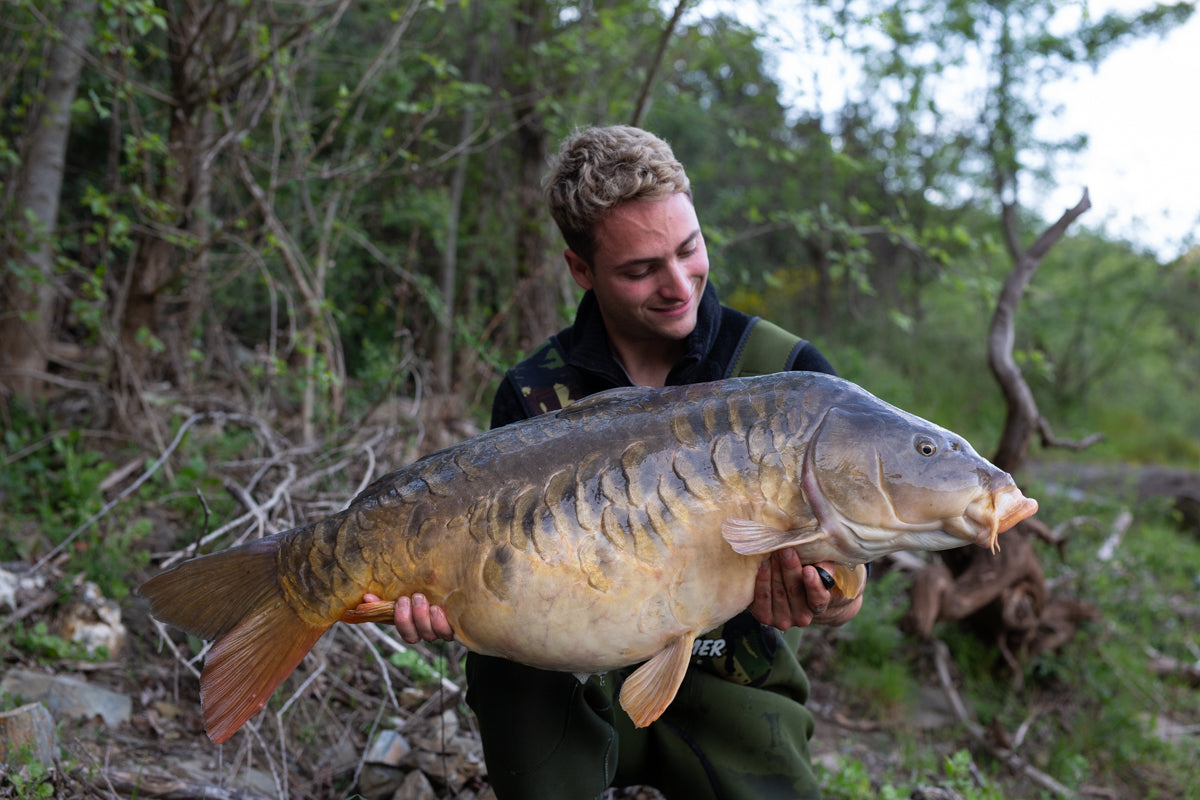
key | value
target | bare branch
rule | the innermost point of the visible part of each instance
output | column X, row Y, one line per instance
column 1050, row 440
column 980, row 734
column 643, row 98
column 1023, row 418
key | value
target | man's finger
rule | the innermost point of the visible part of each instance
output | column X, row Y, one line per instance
column 441, row 625
column 421, row 621
column 404, row 620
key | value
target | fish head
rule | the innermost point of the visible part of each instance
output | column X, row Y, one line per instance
column 882, row 480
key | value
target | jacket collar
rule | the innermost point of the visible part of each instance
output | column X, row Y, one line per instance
column 591, row 352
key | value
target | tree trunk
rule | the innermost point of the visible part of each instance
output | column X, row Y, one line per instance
column 1023, row 419
column 443, row 347
column 183, row 188
column 537, row 288
column 1004, row 596
column 28, row 296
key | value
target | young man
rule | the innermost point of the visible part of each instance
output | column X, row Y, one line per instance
column 738, row 727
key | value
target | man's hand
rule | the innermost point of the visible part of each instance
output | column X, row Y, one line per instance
column 417, row 620
column 788, row 593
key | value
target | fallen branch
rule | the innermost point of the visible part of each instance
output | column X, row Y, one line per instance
column 153, row 468
column 257, row 511
column 1166, row 666
column 166, row 787
column 1108, row 550
column 979, row 733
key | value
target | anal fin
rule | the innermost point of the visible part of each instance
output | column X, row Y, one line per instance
column 646, row 693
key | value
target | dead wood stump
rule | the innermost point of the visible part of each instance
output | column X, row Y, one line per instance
column 28, row 733
column 1002, row 597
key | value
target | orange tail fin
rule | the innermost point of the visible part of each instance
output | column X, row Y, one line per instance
column 234, row 597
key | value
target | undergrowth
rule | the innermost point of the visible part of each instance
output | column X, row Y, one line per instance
column 1092, row 714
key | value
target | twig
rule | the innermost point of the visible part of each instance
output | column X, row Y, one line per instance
column 977, row 731
column 370, row 473
column 163, row 636
column 1108, row 550
column 166, row 787
column 119, row 474
column 383, row 670
column 256, row 736
column 1023, row 729
column 42, row 600
column 133, row 487
column 1164, row 665
column 256, row 511
column 300, row 691
column 448, row 691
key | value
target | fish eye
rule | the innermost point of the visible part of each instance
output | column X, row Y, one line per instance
column 925, row 446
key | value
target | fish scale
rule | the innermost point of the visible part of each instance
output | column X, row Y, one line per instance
column 608, row 534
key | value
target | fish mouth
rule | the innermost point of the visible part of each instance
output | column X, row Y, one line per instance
column 999, row 511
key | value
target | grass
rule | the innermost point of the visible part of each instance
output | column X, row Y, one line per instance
column 1093, row 712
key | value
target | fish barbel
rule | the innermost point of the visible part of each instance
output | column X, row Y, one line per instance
column 607, row 534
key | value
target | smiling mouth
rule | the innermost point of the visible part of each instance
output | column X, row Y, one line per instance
column 678, row 309
column 674, row 311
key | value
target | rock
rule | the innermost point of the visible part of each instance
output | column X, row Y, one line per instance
column 93, row 621
column 438, row 733
column 451, row 770
column 379, row 781
column 342, row 757
column 933, row 710
column 68, row 697
column 29, row 726
column 389, row 748
column 16, row 587
column 415, row 787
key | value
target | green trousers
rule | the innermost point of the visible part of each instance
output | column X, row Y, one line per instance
column 732, row 732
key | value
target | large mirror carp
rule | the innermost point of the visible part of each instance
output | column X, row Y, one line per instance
column 607, row 534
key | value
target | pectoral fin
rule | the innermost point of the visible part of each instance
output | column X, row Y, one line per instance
column 754, row 538
column 646, row 693
column 380, row 611
column 850, row 580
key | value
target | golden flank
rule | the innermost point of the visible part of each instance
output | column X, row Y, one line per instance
column 608, row 534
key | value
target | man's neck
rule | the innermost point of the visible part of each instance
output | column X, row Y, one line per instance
column 645, row 365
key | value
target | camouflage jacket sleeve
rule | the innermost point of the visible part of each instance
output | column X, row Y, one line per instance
column 506, row 405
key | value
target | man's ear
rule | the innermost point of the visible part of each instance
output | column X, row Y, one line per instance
column 581, row 270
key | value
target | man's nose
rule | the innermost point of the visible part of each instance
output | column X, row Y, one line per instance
column 677, row 280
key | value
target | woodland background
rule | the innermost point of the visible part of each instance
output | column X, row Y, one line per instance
column 256, row 253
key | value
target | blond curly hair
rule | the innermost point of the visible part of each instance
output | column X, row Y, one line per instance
column 601, row 167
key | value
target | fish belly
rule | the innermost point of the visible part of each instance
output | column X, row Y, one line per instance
column 554, row 615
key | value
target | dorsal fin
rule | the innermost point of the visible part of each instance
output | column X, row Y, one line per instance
column 609, row 397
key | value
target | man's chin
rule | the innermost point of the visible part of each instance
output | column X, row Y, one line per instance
column 676, row 331
column 674, row 324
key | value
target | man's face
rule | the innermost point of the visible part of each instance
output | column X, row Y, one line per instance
column 648, row 271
